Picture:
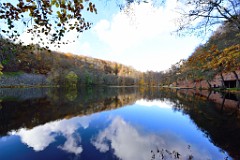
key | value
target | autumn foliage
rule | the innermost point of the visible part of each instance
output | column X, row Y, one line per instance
column 219, row 55
column 53, row 18
column 65, row 68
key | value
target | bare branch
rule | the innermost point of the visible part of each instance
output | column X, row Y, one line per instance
column 206, row 13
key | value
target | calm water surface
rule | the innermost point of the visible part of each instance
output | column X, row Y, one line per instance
column 113, row 124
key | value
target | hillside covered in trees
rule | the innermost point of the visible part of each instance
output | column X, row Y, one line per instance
column 64, row 68
column 217, row 57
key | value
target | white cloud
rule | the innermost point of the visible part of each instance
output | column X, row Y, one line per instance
column 143, row 39
column 125, row 31
column 42, row 136
column 70, row 39
column 157, row 103
column 74, row 44
column 128, row 143
column 85, row 47
column 37, row 138
column 71, row 145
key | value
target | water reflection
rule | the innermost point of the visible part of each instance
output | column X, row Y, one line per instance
column 42, row 136
column 26, row 108
column 128, row 143
column 118, row 137
column 154, row 124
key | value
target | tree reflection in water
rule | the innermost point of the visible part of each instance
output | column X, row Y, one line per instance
column 29, row 111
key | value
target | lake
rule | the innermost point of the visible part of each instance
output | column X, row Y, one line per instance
column 118, row 123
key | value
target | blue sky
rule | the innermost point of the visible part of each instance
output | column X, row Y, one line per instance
column 142, row 39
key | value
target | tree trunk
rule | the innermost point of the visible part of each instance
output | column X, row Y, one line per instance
column 238, row 104
column 194, row 85
column 209, row 84
column 224, row 97
column 223, row 85
column 237, row 79
column 209, row 94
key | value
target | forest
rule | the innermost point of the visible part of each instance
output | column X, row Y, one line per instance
column 219, row 55
column 64, row 69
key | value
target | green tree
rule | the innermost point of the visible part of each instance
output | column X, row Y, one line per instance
column 71, row 93
column 8, row 53
column 71, row 79
column 88, row 79
column 1, row 68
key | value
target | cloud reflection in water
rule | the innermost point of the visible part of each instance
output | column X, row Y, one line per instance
column 128, row 143
column 42, row 136
column 121, row 138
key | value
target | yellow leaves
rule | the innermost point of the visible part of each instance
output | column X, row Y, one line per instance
column 52, row 14
column 63, row 2
column 57, row 5
column 1, row 67
column 229, row 59
column 92, row 8
column 59, row 14
column 53, row 2
column 214, row 60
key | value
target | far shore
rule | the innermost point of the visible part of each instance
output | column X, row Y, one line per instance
column 116, row 86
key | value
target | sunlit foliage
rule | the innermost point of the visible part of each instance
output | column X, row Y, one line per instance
column 62, row 69
column 71, row 79
column 219, row 55
column 50, row 17
column 1, row 67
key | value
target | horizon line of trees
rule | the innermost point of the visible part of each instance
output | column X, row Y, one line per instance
column 220, row 54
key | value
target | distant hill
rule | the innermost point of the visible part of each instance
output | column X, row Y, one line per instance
column 63, row 68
